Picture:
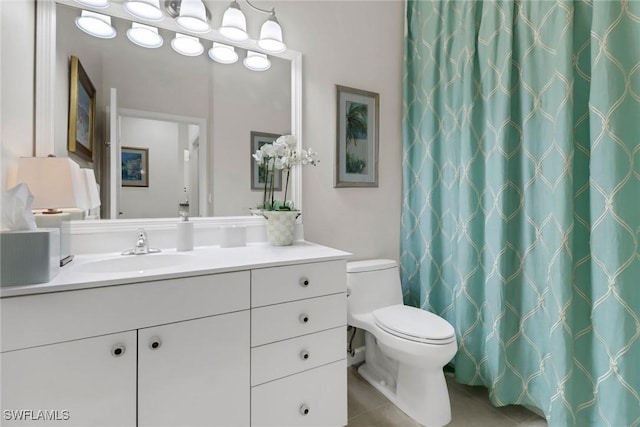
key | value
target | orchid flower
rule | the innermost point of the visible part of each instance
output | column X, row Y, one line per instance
column 283, row 155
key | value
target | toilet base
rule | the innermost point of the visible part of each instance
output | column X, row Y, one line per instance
column 421, row 395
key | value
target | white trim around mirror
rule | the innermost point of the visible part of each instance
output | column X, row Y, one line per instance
column 45, row 121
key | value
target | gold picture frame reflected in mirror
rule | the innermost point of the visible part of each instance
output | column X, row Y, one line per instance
column 82, row 107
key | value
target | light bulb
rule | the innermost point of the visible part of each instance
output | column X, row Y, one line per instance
column 187, row 45
column 234, row 24
column 222, row 53
column 144, row 35
column 96, row 24
column 256, row 61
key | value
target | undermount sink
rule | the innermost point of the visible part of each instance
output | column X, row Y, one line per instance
column 133, row 263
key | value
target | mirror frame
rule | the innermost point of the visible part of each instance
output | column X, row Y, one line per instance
column 45, row 78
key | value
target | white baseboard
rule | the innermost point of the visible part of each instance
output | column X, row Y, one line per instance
column 358, row 357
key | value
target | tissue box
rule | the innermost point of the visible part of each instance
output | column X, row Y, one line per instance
column 61, row 221
column 29, row 257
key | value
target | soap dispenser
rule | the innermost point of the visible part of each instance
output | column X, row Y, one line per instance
column 185, row 230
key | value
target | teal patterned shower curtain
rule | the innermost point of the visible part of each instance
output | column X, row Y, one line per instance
column 521, row 198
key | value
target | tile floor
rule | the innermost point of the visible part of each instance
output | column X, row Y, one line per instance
column 470, row 406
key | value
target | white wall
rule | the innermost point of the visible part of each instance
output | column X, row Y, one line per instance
column 357, row 44
column 17, row 64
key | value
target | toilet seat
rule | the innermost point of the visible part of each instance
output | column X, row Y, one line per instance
column 414, row 324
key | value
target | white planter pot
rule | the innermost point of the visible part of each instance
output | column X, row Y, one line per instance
column 281, row 226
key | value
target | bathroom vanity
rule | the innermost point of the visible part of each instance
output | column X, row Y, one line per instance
column 221, row 337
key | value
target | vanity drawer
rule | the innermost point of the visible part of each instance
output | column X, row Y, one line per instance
column 294, row 282
column 322, row 392
column 272, row 361
column 33, row 320
column 292, row 319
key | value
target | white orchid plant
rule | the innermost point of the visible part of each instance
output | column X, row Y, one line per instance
column 282, row 154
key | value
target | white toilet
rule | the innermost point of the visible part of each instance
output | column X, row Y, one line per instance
column 406, row 347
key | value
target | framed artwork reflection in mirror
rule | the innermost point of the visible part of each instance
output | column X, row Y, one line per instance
column 135, row 167
column 259, row 172
column 82, row 111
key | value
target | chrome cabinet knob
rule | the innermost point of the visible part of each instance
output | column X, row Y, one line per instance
column 304, row 281
column 155, row 343
column 304, row 318
column 304, row 409
column 304, row 355
column 118, row 350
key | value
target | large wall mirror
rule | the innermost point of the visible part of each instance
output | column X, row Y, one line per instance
column 193, row 116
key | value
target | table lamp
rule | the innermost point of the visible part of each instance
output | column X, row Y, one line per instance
column 55, row 182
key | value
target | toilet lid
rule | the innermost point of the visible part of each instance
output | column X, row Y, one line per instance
column 414, row 324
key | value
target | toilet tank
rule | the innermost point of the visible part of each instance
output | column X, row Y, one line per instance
column 372, row 284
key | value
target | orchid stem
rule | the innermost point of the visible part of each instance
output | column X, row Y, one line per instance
column 272, row 188
column 286, row 186
column 266, row 181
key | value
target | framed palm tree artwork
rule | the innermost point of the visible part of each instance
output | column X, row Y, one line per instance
column 357, row 138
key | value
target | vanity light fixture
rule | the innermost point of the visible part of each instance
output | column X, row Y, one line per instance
column 270, row 32
column 234, row 24
column 222, row 53
column 96, row 24
column 144, row 35
column 144, row 9
column 271, row 35
column 193, row 16
column 96, row 4
column 187, row 45
column 256, row 61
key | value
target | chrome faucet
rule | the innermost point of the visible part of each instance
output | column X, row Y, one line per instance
column 141, row 246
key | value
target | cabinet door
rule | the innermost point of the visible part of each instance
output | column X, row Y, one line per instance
column 195, row 373
column 88, row 382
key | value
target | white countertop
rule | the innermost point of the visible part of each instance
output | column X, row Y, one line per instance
column 200, row 261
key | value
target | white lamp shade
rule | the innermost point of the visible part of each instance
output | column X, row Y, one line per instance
column 187, row 45
column 222, row 53
column 256, row 61
column 144, row 35
column 96, row 24
column 55, row 182
column 91, row 187
column 234, row 24
column 193, row 16
column 144, row 9
column 271, row 36
column 96, row 4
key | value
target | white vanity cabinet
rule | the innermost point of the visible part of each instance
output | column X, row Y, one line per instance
column 240, row 344
column 88, row 382
column 194, row 373
column 298, row 355
column 183, row 358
